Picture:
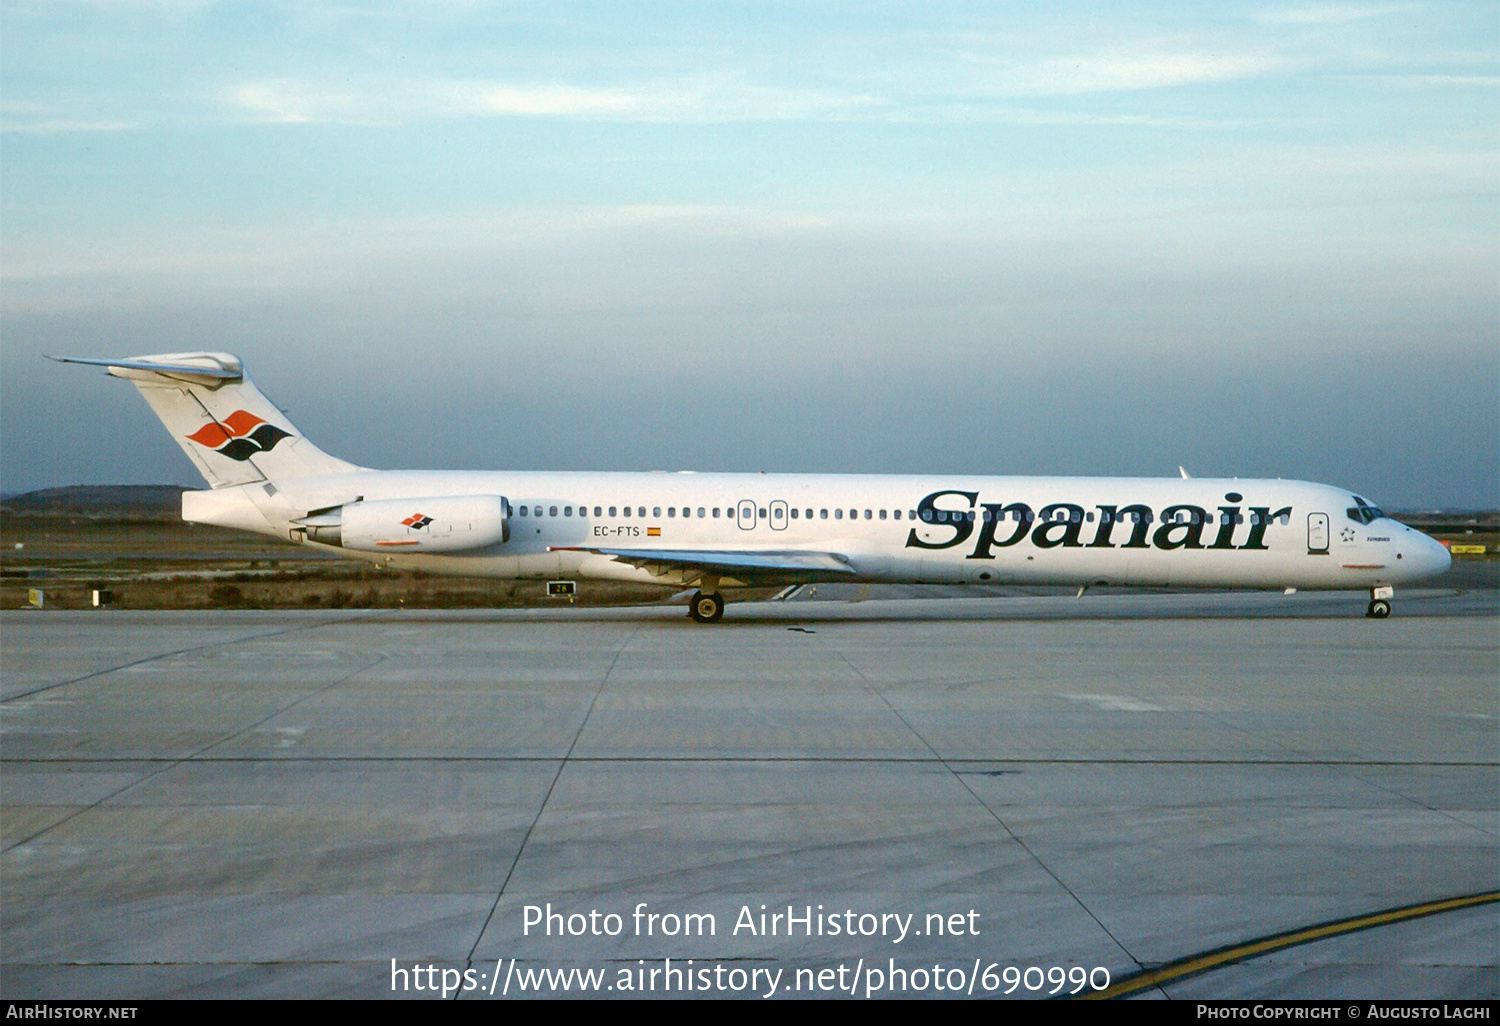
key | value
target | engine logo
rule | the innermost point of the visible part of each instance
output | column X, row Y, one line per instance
column 417, row 521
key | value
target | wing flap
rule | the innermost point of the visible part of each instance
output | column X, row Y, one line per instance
column 743, row 564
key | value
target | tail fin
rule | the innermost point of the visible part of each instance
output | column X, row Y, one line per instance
column 231, row 432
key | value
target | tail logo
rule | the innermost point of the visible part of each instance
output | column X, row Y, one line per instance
column 239, row 436
column 417, row 521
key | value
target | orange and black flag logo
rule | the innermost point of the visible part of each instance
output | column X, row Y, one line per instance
column 417, row 521
column 239, row 435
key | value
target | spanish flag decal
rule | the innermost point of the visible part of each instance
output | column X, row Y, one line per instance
column 653, row 532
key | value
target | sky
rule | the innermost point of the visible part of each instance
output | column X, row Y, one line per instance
column 1253, row 239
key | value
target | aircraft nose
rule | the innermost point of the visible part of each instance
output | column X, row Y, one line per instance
column 1442, row 559
column 1433, row 557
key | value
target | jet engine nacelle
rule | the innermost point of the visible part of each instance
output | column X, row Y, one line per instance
column 449, row 523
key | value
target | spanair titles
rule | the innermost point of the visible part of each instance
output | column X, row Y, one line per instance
column 999, row 525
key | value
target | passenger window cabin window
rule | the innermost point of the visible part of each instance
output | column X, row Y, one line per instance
column 838, row 514
column 700, row 512
column 552, row 511
column 716, row 512
column 626, row 511
column 795, row 511
column 672, row 512
column 898, row 514
column 522, row 511
column 763, row 513
column 567, row 511
column 656, row 511
column 809, row 514
column 882, row 514
column 641, row 510
column 868, row 515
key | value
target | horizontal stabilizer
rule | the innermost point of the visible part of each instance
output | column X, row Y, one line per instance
column 217, row 372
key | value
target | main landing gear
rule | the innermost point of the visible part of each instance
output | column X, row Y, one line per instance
column 706, row 607
column 1380, row 603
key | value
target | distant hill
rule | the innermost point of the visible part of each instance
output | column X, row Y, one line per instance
column 100, row 501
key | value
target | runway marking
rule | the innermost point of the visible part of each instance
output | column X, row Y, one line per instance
column 62, row 760
column 181, row 651
column 1116, row 703
column 958, row 777
column 1195, row 964
column 561, row 765
column 168, row 764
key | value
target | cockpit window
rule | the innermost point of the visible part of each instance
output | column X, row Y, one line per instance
column 1363, row 512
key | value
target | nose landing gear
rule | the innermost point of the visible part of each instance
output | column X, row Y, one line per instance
column 706, row 607
column 1380, row 602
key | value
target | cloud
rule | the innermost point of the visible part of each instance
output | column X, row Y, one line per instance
column 303, row 101
column 287, row 101
column 1122, row 72
column 42, row 118
column 973, row 97
column 1328, row 14
column 1449, row 81
column 554, row 101
column 59, row 125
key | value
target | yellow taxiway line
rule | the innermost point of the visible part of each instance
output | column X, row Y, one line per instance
column 1276, row 942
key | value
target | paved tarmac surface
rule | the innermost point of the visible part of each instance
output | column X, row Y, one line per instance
column 279, row 803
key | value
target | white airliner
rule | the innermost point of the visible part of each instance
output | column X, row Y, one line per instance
column 707, row 531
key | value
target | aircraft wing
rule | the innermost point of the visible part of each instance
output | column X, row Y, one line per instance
column 740, row 564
